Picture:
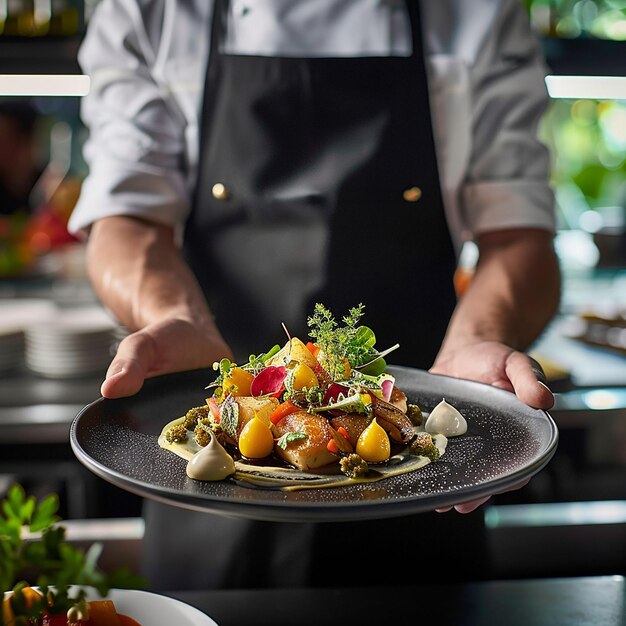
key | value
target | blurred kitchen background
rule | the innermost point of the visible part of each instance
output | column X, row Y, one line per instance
column 55, row 340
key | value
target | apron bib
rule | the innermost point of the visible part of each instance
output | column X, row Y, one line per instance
column 318, row 182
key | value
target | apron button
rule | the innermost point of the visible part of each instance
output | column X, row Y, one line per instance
column 412, row 194
column 220, row 192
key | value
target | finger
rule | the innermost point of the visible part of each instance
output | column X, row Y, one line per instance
column 468, row 507
column 465, row 507
column 528, row 381
column 127, row 381
column 129, row 368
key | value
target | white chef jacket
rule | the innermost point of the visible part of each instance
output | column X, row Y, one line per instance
column 147, row 61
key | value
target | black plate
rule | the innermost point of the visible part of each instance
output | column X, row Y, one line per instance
column 506, row 443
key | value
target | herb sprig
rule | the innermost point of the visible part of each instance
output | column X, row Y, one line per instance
column 336, row 342
column 54, row 565
column 348, row 342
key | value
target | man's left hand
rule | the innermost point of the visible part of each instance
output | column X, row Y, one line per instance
column 501, row 366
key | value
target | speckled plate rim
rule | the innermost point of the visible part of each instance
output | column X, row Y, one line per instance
column 347, row 510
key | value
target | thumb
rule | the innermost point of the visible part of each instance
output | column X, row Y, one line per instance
column 130, row 366
column 528, row 381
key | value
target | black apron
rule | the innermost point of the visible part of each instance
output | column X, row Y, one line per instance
column 316, row 158
column 317, row 182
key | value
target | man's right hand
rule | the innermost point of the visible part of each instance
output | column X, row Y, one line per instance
column 169, row 346
column 139, row 274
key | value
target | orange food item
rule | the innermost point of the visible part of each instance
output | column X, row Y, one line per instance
column 7, row 612
column 103, row 613
column 31, row 595
column 214, row 408
column 282, row 410
column 312, row 348
column 237, row 382
column 344, row 433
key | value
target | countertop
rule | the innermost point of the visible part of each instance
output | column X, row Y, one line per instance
column 588, row 601
column 28, row 400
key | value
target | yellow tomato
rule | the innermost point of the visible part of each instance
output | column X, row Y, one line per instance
column 303, row 376
column 256, row 440
column 373, row 444
column 237, row 382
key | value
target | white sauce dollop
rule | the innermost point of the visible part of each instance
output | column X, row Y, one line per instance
column 446, row 420
column 211, row 462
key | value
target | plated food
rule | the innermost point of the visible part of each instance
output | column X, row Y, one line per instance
column 324, row 412
column 506, row 443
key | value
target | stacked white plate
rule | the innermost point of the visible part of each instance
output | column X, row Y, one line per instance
column 11, row 350
column 76, row 343
column 15, row 316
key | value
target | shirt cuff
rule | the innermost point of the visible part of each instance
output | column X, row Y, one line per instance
column 501, row 205
column 156, row 198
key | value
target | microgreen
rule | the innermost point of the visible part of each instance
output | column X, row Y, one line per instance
column 256, row 362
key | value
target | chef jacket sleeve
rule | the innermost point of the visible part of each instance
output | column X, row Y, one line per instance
column 135, row 148
column 507, row 182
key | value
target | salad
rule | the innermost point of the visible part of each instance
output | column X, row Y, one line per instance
column 320, row 412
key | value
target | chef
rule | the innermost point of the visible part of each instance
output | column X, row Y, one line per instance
column 250, row 158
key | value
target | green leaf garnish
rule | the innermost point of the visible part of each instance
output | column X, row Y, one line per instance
column 352, row 403
column 288, row 438
column 229, row 417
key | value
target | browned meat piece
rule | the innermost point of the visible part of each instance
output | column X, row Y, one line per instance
column 310, row 452
column 393, row 420
column 354, row 423
column 398, row 399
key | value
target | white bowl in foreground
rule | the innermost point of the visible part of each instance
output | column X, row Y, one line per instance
column 152, row 609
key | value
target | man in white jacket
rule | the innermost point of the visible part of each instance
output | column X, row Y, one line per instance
column 250, row 158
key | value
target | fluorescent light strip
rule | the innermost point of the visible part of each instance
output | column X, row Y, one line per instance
column 587, row 87
column 44, row 85
column 110, row 529
column 556, row 514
